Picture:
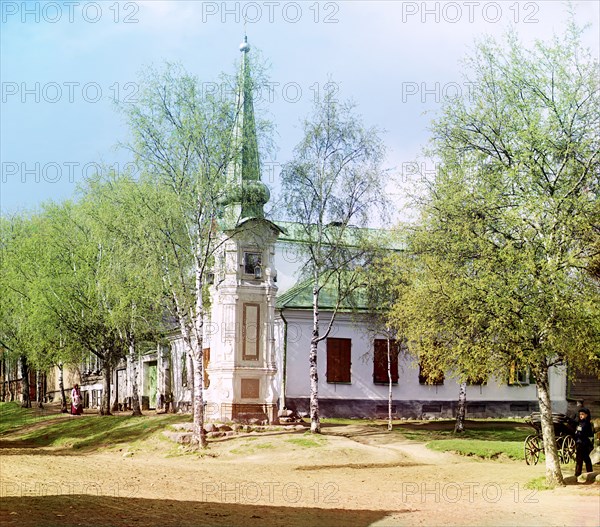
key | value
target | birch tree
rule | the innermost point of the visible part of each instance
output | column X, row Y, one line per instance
column 510, row 218
column 131, row 280
column 332, row 188
column 28, row 328
column 382, row 283
column 181, row 139
column 75, row 290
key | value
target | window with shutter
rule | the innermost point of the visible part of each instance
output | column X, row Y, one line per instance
column 380, row 361
column 518, row 375
column 184, row 372
column 429, row 375
column 477, row 380
column 339, row 360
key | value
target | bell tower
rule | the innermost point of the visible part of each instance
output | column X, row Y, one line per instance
column 240, row 373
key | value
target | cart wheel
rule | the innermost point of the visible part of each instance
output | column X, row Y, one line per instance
column 560, row 440
column 567, row 450
column 533, row 445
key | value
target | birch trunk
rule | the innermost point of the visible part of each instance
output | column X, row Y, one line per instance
column 61, row 387
column 11, row 392
column 135, row 396
column 25, row 397
column 105, row 404
column 198, row 432
column 194, row 354
column 389, row 368
column 315, row 423
column 459, row 426
column 39, row 381
column 554, row 475
column 115, row 404
column 3, row 377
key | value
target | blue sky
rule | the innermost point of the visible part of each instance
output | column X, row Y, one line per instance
column 63, row 62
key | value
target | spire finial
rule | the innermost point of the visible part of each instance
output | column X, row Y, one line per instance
column 244, row 46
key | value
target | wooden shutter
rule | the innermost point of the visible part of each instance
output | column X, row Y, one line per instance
column 338, row 360
column 380, row 367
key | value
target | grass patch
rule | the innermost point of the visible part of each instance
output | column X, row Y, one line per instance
column 247, row 449
column 346, row 421
column 13, row 417
column 484, row 439
column 538, row 484
column 479, row 448
column 486, row 431
column 306, row 442
column 93, row 431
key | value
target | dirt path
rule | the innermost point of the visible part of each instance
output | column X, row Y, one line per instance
column 352, row 475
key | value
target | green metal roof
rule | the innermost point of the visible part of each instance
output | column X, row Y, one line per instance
column 296, row 232
column 300, row 296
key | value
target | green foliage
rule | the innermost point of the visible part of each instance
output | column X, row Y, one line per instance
column 504, row 239
column 333, row 184
column 130, row 282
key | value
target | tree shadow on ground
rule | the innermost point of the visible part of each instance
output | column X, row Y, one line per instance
column 115, row 511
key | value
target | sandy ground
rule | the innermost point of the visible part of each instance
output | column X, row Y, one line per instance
column 356, row 476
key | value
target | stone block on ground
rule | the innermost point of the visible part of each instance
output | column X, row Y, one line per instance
column 183, row 438
column 187, row 427
column 587, row 477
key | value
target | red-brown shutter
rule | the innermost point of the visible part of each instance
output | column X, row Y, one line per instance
column 339, row 360
column 380, row 368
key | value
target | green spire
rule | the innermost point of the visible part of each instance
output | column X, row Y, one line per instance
column 250, row 158
column 247, row 194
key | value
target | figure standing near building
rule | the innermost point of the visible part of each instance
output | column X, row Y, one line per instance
column 76, row 406
column 584, row 439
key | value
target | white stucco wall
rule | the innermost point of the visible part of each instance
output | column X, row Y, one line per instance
column 408, row 387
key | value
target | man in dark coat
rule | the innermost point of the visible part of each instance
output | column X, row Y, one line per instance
column 584, row 439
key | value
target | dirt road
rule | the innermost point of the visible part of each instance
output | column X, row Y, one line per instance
column 351, row 476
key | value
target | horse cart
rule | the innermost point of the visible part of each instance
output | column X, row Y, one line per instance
column 563, row 431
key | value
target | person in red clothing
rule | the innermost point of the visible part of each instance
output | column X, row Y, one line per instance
column 76, row 406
